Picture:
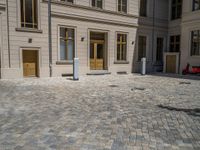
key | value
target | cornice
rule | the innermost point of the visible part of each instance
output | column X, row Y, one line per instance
column 93, row 19
column 91, row 9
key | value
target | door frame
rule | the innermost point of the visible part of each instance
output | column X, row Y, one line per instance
column 106, row 45
column 38, row 59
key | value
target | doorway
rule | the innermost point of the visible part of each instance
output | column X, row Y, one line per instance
column 98, row 53
column 30, row 63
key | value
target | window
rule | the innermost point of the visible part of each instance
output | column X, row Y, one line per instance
column 29, row 14
column 159, row 49
column 176, row 9
column 196, row 5
column 175, row 43
column 122, row 6
column 97, row 3
column 143, row 8
column 121, row 47
column 69, row 1
column 142, row 44
column 67, row 44
column 195, row 43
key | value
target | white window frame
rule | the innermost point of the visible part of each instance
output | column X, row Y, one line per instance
column 103, row 5
column 19, row 16
column 122, row 11
column 127, row 46
column 58, row 42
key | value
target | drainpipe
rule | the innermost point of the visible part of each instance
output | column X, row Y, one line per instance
column 0, row 45
column 153, row 32
column 50, row 38
column 8, row 32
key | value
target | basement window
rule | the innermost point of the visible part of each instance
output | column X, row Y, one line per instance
column 69, row 1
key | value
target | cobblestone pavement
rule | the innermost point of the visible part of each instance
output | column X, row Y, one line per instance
column 112, row 112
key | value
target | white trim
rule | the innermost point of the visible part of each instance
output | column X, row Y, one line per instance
column 38, row 49
column 58, row 40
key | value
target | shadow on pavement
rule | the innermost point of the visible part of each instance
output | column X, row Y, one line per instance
column 190, row 77
column 194, row 112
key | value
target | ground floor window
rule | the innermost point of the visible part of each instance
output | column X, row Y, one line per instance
column 121, row 47
column 142, row 44
column 175, row 41
column 195, row 43
column 67, row 44
column 159, row 49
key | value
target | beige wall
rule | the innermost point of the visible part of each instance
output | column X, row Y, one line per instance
column 190, row 22
column 80, row 16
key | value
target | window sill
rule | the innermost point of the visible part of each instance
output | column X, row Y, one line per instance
column 28, row 30
column 121, row 62
column 64, row 62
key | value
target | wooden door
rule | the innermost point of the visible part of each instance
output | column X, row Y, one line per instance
column 171, row 64
column 96, row 56
column 30, row 63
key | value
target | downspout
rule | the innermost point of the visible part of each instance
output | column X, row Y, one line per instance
column 50, row 38
column 8, row 32
column 153, row 33
column 1, row 44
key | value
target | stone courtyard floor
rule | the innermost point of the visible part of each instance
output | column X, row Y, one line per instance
column 112, row 112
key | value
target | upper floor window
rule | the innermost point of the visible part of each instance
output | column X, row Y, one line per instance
column 29, row 14
column 176, row 9
column 196, row 5
column 69, row 1
column 143, row 8
column 121, row 47
column 122, row 6
column 175, row 43
column 195, row 43
column 67, row 44
column 97, row 3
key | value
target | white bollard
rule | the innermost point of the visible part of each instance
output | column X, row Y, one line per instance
column 143, row 66
column 76, row 69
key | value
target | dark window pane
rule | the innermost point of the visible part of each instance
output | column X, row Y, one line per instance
column 143, row 8
column 141, row 47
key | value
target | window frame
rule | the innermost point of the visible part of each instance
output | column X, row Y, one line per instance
column 146, row 3
column 176, row 10
column 175, row 43
column 116, row 47
column 96, row 6
column 37, row 13
column 193, row 5
column 127, row 8
column 18, row 18
column 58, row 41
column 191, row 43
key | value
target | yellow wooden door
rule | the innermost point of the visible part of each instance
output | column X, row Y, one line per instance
column 171, row 64
column 96, row 56
column 30, row 63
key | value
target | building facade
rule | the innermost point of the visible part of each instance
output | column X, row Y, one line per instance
column 107, row 36
column 100, row 33
column 168, row 27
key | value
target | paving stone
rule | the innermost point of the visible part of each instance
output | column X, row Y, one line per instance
column 109, row 112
